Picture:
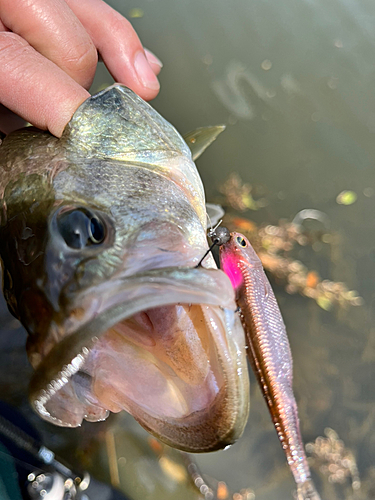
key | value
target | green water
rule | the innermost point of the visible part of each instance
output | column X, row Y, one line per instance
column 295, row 84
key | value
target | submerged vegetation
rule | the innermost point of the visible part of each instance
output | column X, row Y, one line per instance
column 277, row 245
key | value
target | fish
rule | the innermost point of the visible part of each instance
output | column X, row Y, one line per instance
column 101, row 232
column 268, row 348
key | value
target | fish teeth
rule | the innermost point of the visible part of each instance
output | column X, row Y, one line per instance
column 55, row 385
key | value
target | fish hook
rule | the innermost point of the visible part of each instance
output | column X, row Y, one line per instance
column 219, row 236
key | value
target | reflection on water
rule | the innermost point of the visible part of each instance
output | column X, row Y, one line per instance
column 230, row 91
column 294, row 82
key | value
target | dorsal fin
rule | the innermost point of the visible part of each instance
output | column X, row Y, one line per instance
column 199, row 139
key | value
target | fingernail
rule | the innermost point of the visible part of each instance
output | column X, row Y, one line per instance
column 152, row 59
column 144, row 71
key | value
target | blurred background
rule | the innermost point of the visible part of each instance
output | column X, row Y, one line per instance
column 294, row 82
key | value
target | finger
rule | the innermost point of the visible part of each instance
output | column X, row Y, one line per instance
column 55, row 32
column 35, row 88
column 118, row 44
column 153, row 61
column 3, row 27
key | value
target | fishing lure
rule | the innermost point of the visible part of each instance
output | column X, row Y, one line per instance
column 268, row 348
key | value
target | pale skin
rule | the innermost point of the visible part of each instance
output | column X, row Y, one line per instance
column 49, row 53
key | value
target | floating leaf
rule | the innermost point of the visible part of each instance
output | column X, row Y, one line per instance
column 324, row 302
column 175, row 471
column 136, row 12
column 346, row 198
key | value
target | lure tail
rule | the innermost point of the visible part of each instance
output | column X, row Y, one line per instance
column 307, row 491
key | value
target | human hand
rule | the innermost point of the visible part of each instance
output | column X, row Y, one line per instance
column 49, row 53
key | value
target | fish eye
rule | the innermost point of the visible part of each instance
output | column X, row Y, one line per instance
column 97, row 232
column 81, row 228
column 241, row 241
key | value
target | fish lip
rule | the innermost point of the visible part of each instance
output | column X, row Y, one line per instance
column 174, row 285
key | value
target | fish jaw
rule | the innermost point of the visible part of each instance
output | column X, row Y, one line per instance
column 167, row 347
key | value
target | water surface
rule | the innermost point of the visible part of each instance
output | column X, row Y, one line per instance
column 294, row 82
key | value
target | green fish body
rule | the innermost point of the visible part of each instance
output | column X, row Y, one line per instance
column 100, row 234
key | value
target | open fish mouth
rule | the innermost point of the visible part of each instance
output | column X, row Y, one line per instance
column 164, row 345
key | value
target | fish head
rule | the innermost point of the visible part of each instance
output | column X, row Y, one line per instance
column 102, row 231
column 235, row 255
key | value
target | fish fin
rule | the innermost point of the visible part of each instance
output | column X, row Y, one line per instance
column 199, row 139
column 214, row 214
column 117, row 124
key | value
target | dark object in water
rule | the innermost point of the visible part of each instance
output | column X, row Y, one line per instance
column 40, row 474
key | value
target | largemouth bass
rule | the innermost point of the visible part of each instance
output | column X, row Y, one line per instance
column 100, row 234
column 268, row 349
